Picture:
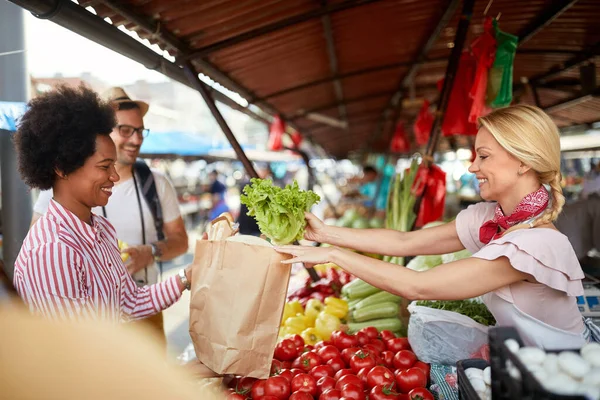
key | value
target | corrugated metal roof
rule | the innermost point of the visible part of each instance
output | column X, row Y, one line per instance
column 375, row 43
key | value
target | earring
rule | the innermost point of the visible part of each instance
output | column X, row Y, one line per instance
column 519, row 173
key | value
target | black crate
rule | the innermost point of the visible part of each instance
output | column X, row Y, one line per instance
column 465, row 389
column 504, row 386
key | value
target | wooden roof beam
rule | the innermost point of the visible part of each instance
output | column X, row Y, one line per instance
column 572, row 101
column 546, row 17
column 284, row 23
column 573, row 62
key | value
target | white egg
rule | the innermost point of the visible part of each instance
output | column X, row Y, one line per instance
column 591, row 392
column 551, row 363
column 592, row 356
column 573, row 364
column 487, row 376
column 593, row 346
column 474, row 373
column 592, row 378
column 560, row 384
column 531, row 355
column 513, row 371
column 512, row 345
column 478, row 384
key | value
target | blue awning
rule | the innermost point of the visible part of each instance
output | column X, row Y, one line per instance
column 10, row 112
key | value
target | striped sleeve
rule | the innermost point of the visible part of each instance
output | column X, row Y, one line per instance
column 141, row 302
column 54, row 279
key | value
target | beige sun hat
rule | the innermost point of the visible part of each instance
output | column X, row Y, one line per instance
column 116, row 95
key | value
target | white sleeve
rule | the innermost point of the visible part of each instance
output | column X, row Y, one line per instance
column 43, row 200
column 167, row 197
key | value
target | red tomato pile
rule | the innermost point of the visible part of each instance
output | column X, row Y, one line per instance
column 367, row 365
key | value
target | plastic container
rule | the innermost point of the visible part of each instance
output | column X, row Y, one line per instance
column 504, row 386
column 465, row 389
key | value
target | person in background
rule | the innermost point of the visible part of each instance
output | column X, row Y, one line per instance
column 519, row 257
column 591, row 183
column 218, row 193
column 128, row 211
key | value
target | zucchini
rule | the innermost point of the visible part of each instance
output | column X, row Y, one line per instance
column 375, row 311
column 350, row 285
column 353, row 303
column 390, row 324
column 361, row 290
column 380, row 297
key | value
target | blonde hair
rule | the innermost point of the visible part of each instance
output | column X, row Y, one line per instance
column 532, row 137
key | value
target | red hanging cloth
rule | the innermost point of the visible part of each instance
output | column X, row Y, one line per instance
column 456, row 119
column 423, row 124
column 399, row 142
column 432, row 181
column 276, row 130
column 296, row 138
column 484, row 50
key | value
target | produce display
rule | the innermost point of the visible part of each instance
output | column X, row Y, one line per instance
column 481, row 381
column 332, row 280
column 566, row 373
column 370, row 306
column 279, row 212
column 473, row 309
column 368, row 364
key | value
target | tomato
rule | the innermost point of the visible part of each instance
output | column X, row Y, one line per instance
column 322, row 370
column 296, row 371
column 388, row 359
column 308, row 361
column 306, row 348
column 258, row 389
column 301, row 396
column 278, row 387
column 269, row 398
column 286, row 350
column 397, row 344
column 286, row 364
column 361, row 360
column 362, row 338
column 341, row 373
column 378, row 343
column 235, row 396
column 383, row 392
column 328, row 352
column 296, row 363
column 370, row 331
column 420, row 394
column 352, row 391
column 276, row 367
column 362, row 374
column 348, row 379
column 322, row 343
column 331, row 394
column 342, row 340
column 404, row 359
column 304, row 383
column 298, row 341
column 410, row 379
column 423, row 367
column 380, row 376
column 244, row 385
column 348, row 353
column 386, row 335
column 325, row 383
column 287, row 374
column 337, row 364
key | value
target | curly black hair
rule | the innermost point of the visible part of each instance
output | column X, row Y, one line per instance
column 58, row 133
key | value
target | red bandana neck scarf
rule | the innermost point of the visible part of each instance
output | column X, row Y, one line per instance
column 531, row 206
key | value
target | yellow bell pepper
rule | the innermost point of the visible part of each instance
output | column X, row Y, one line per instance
column 288, row 312
column 296, row 307
column 325, row 324
column 313, row 308
column 295, row 325
column 335, row 306
column 311, row 336
column 122, row 245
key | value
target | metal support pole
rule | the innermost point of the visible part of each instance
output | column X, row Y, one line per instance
column 192, row 76
column 16, row 198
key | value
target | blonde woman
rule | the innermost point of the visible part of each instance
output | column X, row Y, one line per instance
column 524, row 268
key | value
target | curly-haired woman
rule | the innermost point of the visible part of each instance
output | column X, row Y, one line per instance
column 524, row 268
column 69, row 265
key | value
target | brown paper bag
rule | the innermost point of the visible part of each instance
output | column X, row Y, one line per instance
column 237, row 299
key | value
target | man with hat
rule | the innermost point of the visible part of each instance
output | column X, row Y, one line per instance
column 152, row 233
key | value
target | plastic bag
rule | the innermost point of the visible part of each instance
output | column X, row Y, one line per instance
column 276, row 130
column 423, row 124
column 443, row 337
column 399, row 143
column 434, row 198
column 500, row 80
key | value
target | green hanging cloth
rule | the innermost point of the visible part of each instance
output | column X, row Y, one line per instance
column 500, row 78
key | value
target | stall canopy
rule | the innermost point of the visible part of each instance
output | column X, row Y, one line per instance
column 344, row 72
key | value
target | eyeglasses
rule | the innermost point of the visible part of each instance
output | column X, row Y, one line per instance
column 127, row 131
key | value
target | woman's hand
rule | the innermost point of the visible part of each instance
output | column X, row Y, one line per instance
column 307, row 254
column 315, row 228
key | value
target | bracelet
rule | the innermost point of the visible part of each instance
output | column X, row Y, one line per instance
column 184, row 280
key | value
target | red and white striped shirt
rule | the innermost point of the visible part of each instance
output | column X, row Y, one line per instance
column 67, row 269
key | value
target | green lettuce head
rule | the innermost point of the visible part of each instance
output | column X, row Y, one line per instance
column 279, row 212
